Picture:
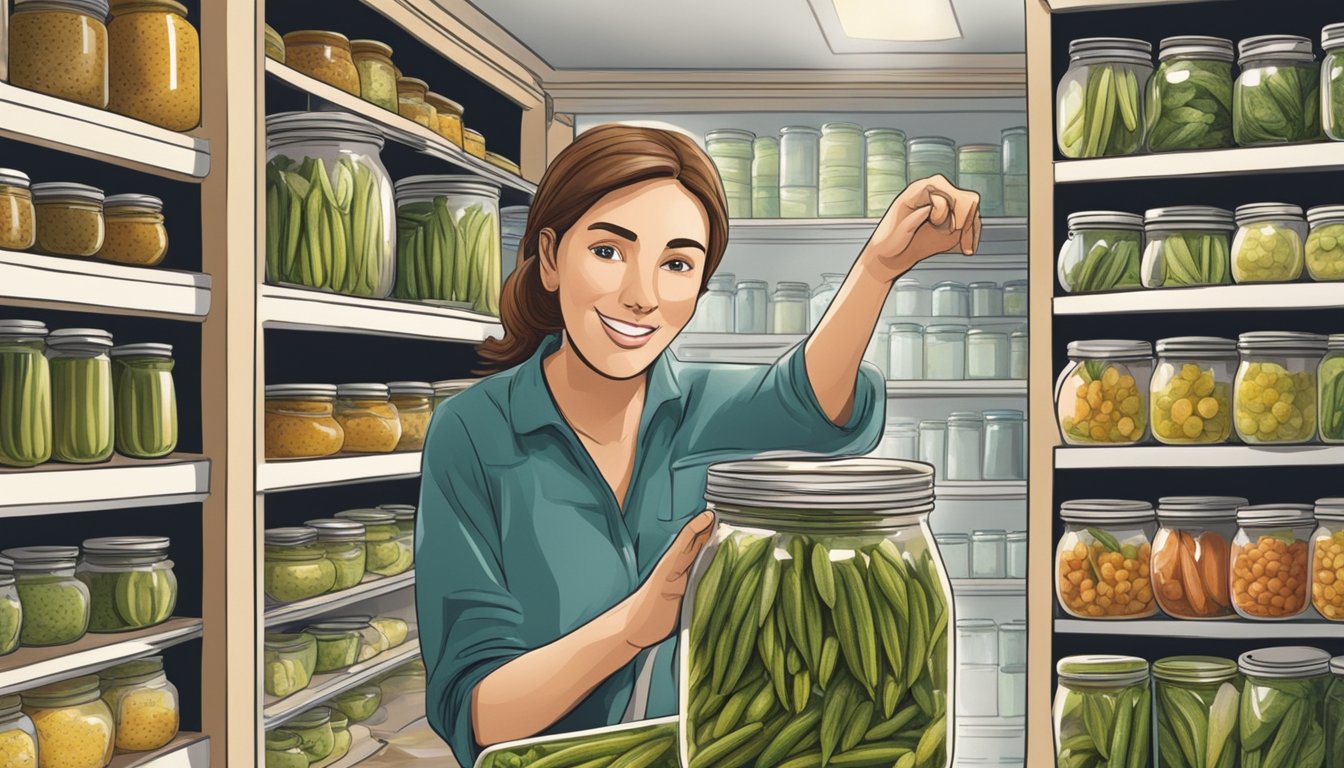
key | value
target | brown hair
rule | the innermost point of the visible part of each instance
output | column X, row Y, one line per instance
column 599, row 162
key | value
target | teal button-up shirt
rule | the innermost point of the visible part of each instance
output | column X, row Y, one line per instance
column 520, row 540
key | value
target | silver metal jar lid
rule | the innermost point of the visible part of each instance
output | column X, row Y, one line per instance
column 860, row 484
column 966, row 418
column 1179, row 217
column 946, row 328
column 1263, row 515
column 1267, row 211
column 932, row 424
column 1106, row 511
column 403, row 512
column 41, row 558
column 80, row 337
column 290, row 537
column 63, row 190
column 1335, row 341
column 445, row 184
column 930, row 141
column 1199, row 508
column 1109, row 349
column 1325, row 214
column 127, row 545
column 1337, row 665
column 1105, row 220
column 1196, row 47
column 98, row 9
column 732, row 134
column 371, row 46
column 797, row 129
column 412, row 388
column 133, row 201
column 1292, row 47
column 1285, row 662
column 1004, row 415
column 983, row 285
column 1330, row 509
column 1196, row 347
column 367, row 391
column 295, row 126
column 143, row 350
column 12, row 178
column 1102, row 669
column 1112, row 48
column 841, row 126
column 1282, row 341
column 368, row 516
column 1332, row 36
column 335, row 529
column 301, row 391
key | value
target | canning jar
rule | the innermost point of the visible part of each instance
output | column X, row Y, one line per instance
column 367, row 417
column 18, row 737
column 928, row 156
column 1005, row 436
column 1284, row 693
column 732, row 153
column 905, row 351
column 284, row 749
column 154, row 57
column 313, row 728
column 1103, row 559
column 840, row 176
column 714, row 312
column 377, row 73
column 25, row 388
column 341, row 642
column 945, row 352
column 980, row 170
column 951, row 299
column 81, row 394
column 134, row 232
column 977, row 641
column 986, row 299
column 1015, row 294
column 358, row 704
column 1325, row 243
column 343, row 543
column 911, row 299
column 1331, row 381
column 323, row 168
column 503, row 163
column 1102, row 253
column 1197, row 702
column 512, row 225
column 788, row 307
column 274, row 44
column 1102, row 706
column 1327, row 560
column 1334, row 713
column 449, row 123
column 885, row 167
column 406, row 680
column 841, row 539
column 799, row 169
column 765, row 178
column 392, row 632
column 933, row 446
column 404, row 514
column 965, row 433
column 146, row 400
column 131, row 582
column 823, row 296
column 1268, row 247
column 1274, row 395
column 986, row 354
column 450, row 245
column 473, row 143
column 11, row 613
column 877, row 352
column 59, row 47
column 1191, row 390
column 143, row 703
column 1015, row 171
column 989, row 553
column 411, row 102
column 751, row 306
column 1099, row 105
column 449, row 388
column 1332, row 88
column 900, row 440
column 413, row 401
column 74, row 727
column 288, row 662
column 17, row 230
column 299, row 421
column 1277, row 96
column 296, row 567
column 325, row 56
column 1186, row 245
column 955, row 550
column 54, row 604
column 1270, row 559
column 391, row 550
column 1017, row 558
column 1192, row 554
column 1103, row 384
column 1189, row 97
column 69, row 218
column 1019, row 351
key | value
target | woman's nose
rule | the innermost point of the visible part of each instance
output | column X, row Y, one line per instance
column 637, row 295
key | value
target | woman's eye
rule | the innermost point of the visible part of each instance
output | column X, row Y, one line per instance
column 678, row 265
column 606, row 252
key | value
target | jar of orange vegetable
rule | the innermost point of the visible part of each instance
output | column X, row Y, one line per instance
column 1191, row 554
column 1327, row 559
column 1269, row 561
column 1102, row 397
column 1103, row 559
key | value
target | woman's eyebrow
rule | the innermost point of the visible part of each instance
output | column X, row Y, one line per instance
column 619, row 231
column 685, row 242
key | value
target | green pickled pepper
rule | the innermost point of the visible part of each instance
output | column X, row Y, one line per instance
column 25, row 403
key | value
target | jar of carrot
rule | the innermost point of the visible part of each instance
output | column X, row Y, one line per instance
column 1269, row 561
column 1191, row 553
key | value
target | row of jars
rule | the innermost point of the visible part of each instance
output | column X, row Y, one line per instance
column 989, row 553
column 949, row 351
column 1194, row 245
column 334, row 554
column 53, row 595
column 1271, row 707
column 991, row 668
column 1267, row 387
column 966, row 447
column 71, row 396
column 68, row 219
column 1201, row 558
column 1111, row 102
column 139, row 58
column 843, row 171
column 291, row 659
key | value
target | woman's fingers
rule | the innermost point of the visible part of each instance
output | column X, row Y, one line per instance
column 689, row 543
column 939, row 209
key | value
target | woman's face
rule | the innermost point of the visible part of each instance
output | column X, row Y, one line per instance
column 629, row 273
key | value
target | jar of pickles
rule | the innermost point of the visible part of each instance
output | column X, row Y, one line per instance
column 1284, row 695
column 841, row 166
column 1099, row 104
column 25, row 388
column 154, row 57
column 131, row 582
column 288, row 662
column 74, row 727
column 411, row 102
column 1277, row 97
column 344, row 641
column 11, row 611
column 449, row 123
column 358, row 704
column 1274, row 396
column 18, row 737
column 1103, row 559
column 390, row 549
column 765, row 178
column 343, row 543
column 134, row 232
column 980, row 170
column 885, row 152
column 732, row 153
column 17, row 231
column 1334, row 713
column 1099, row 397
column 1187, row 245
column 1325, row 242
column 145, row 399
column 367, row 417
column 1102, row 707
column 1191, row 555
column 928, row 156
column 55, row 604
column 412, row 400
column 81, row 392
column 340, row 737
column 1270, row 559
column 59, row 47
column 377, row 74
column 1197, row 700
column 69, row 218
column 799, row 169
column 143, row 703
column 1102, row 253
column 300, row 423
column 1268, row 247
column 1189, row 104
column 1191, row 390
column 313, row 728
column 1327, row 560
column 1332, row 94
column 296, row 567
column 324, row 56
column 1330, row 377
column 284, row 749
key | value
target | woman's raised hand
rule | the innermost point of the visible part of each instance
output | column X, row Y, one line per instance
column 931, row 216
column 654, row 607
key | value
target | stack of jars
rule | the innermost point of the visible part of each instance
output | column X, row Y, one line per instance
column 976, row 445
column 294, row 656
column 67, row 219
column 984, row 554
column 991, row 668
column 305, row 421
column 334, row 554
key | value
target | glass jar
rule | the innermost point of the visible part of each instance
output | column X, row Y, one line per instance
column 1192, row 555
column 154, row 58
column 54, row 604
column 11, row 614
column 1015, row 172
column 392, row 630
column 1099, row 105
column 1015, row 294
column 358, row 704
column 334, row 157
column 1186, row 245
column 299, row 421
column 955, row 550
column 1327, row 578
column 765, row 178
column 911, row 299
column 951, row 299
column 81, row 392
column 413, row 401
column 1102, row 381
column 986, row 299
column 980, row 170
column 1274, row 394
column 1268, row 247
column 823, row 296
column 25, row 387
column 1102, row 252
column 74, row 727
column 345, row 641
column 411, row 103
column 313, row 727
column 18, row 737
column 447, row 389
column 964, row 445
column 1019, row 354
column 986, row 354
column 391, row 550
column 296, row 568
column 404, row 514
column 59, row 47
column 341, row 739
column 1332, row 88
column 1197, row 697
column 1005, row 435
column 404, row 681
column 1330, row 376
column 1100, row 708
column 1017, row 558
column 877, row 352
column 1191, row 390
column 933, row 446
column 512, row 226
column 945, row 352
column 1189, row 97
column 788, row 307
column 751, row 306
column 145, row 399
column 451, row 252
column 1103, row 559
column 989, row 553
column 1277, row 96
column 288, row 662
column 324, row 56
column 780, row 522
column 799, row 169
column 1325, row 243
column 928, row 156
column 69, row 218
column 130, row 580
column 1270, row 558
column 368, row 418
column 284, row 749
column 905, row 352
column 143, row 703
column 377, row 73
column 732, row 153
column 984, row 680
column 841, row 167
column 274, row 44
column 343, row 543
column 885, row 168
column 17, row 230
column 1284, row 691
column 977, row 641
column 473, row 143
column 134, row 232
column 900, row 440
column 449, row 112
column 715, row 310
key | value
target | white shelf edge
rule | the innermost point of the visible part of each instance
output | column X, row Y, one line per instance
column 998, row 236
column 964, row 388
column 1213, row 456
column 76, row 659
column 338, row 470
column 325, row 686
column 30, row 278
column 997, row 490
column 188, row 750
column 988, row 587
column 283, row 308
column 372, row 587
column 1276, row 296
column 51, row 489
column 1204, row 630
column 1318, row 156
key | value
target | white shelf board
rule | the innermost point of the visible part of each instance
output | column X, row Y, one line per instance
column 1208, row 630
column 1276, row 296
column 988, row 588
column 338, row 470
column 324, row 686
column 998, row 236
column 1211, row 456
column 187, row 750
column 372, row 586
column 1320, row 156
column 84, row 284
column 964, row 388
column 31, row 667
column 297, row 309
column 967, row 490
column 1105, row 5
column 53, row 488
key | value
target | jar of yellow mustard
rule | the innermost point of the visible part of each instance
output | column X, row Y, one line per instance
column 474, row 143
column 368, row 418
column 59, row 47
column 143, row 703
column 17, row 232
column 377, row 74
column 503, row 163
column 74, row 726
column 450, row 116
column 413, row 400
column 323, row 56
column 154, row 57
column 412, row 105
column 69, row 218
column 135, row 233
column 300, row 423
column 275, row 44
column 18, row 738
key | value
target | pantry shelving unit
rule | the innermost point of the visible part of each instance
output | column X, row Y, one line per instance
column 1227, row 298
column 324, row 686
column 371, row 587
column 29, row 667
column 120, row 483
column 1199, row 457
column 28, row 279
column 296, row 309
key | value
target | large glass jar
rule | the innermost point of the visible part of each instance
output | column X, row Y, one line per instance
column 765, row 178
column 17, row 229
column 377, row 73
column 449, row 249
column 358, row 704
column 1187, row 245
column 732, row 153
column 1325, row 243
column 1274, row 395
column 928, row 156
column 154, row 57
column 1015, row 296
column 715, row 311
column 329, row 222
column 837, row 628
column 59, row 47
column 1277, row 96
column 945, row 352
column 1102, row 708
column 74, row 727
column 1327, row 561
column 69, row 218
column 751, row 306
column 965, row 442
column 391, row 550
column 288, row 662
column 1332, row 87
column 54, row 603
column 905, row 351
column 986, row 299
column 146, row 400
column 343, row 543
column 25, row 388
column 1284, row 695
column 1103, row 559
column 299, row 421
column 1189, row 97
column 313, row 728
column 18, row 737
column 1015, row 172
column 131, row 582
column 284, row 749
column 449, row 123
column 989, row 554
column 885, row 151
column 413, row 400
column 1330, row 377
column 344, row 641
column 1100, row 397
column 512, row 227
column 143, row 703
column 911, row 299
column 799, row 150
column 1019, row 351
column 980, row 169
column 411, row 103
column 405, row 515
column 986, row 354
column 1334, row 714
column 1268, row 247
column 788, row 307
column 951, row 299
column 1099, row 109
column 1192, row 553
column 823, row 296
column 933, row 446
column 367, row 417
column 81, row 393
column 324, row 56
column 11, row 613
column 134, row 232
column 1017, row 560
column 1102, row 253
column 1270, row 560
column 1005, row 435
column 1197, row 699
column 840, row 178
column 296, row 567
column 1191, row 390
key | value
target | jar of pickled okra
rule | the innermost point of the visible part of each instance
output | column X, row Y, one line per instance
column 1284, row 694
column 1330, row 380
column 60, row 48
column 131, row 582
column 413, row 402
column 25, row 387
column 368, row 418
column 391, row 550
column 1102, row 253
column 17, row 229
column 1268, row 247
column 134, row 230
column 18, row 736
column 1197, row 700
column 1099, row 104
column 288, row 662
column 341, row 642
column 1189, row 97
column 377, row 74
column 1102, row 396
column 1277, row 97
column 144, row 704
column 300, row 423
column 449, row 124
column 75, row 728
column 1327, row 560
column 154, row 57
column 55, row 604
column 146, row 400
column 473, row 142
column 1192, row 554
column 69, row 218
column 1191, row 390
column 1186, row 245
column 1270, row 561
column 1102, row 704
column 343, row 542
column 323, row 56
column 358, row 704
column 1274, row 394
column 1103, row 559
column 81, row 395
column 1325, row 242
column 295, row 567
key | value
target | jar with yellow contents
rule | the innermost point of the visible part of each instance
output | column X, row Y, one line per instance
column 134, row 231
column 413, row 400
column 17, row 230
column 449, row 124
column 411, row 102
column 300, row 423
column 1327, row 559
column 1191, row 390
column 325, row 56
column 59, row 47
column 368, row 418
column 18, row 737
column 473, row 142
column 1102, row 396
column 143, row 703
column 74, row 726
column 1274, row 397
column 154, row 57
column 69, row 218
column 1103, row 559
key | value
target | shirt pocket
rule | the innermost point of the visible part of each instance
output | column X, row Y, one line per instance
column 686, row 493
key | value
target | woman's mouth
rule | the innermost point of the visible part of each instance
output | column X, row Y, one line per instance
column 627, row 335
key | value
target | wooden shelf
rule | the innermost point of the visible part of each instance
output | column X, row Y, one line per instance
column 964, row 388
column 188, row 750
column 988, row 588
column 1198, row 457
column 339, row 470
column 52, row 488
column 324, row 686
column 1205, row 630
column 31, row 667
column 297, row 309
column 372, row 586
column 1109, row 5
column 981, row 490
column 81, row 285
column 1272, row 296
column 1320, row 156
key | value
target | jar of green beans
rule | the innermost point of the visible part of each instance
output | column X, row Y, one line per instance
column 1102, row 253
column 1099, row 111
column 1330, row 379
column 81, row 393
column 1282, row 712
column 146, row 400
column 25, row 394
column 1189, row 100
column 1277, row 96
column 1198, row 700
column 1102, row 709
column 1187, row 245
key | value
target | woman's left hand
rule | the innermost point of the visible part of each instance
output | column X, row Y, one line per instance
column 931, row 216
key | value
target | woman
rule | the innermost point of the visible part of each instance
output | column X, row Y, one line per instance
column 562, row 500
